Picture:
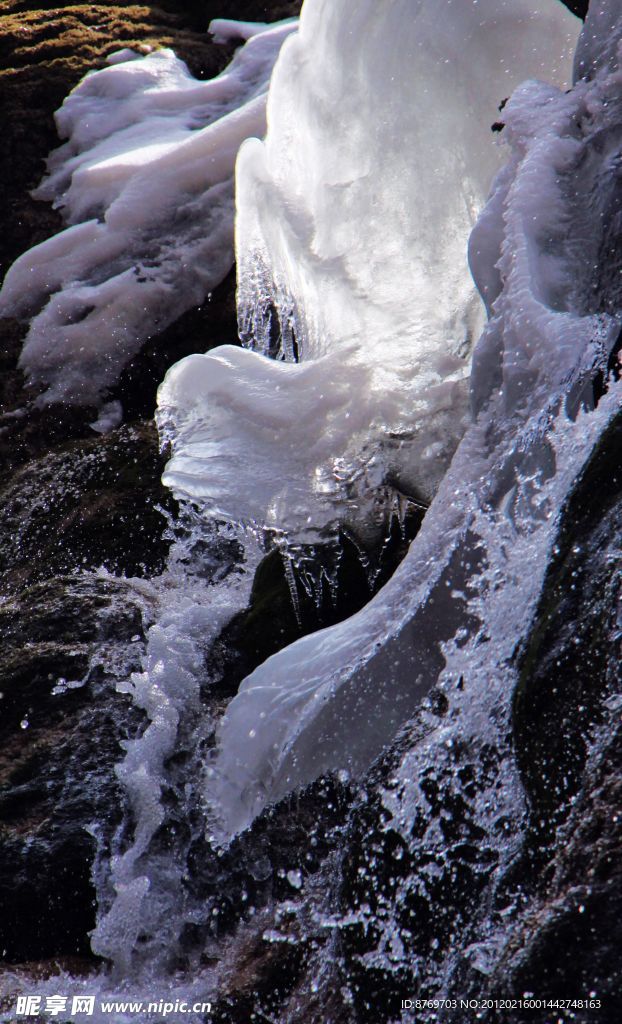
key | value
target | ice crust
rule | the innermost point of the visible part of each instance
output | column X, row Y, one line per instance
column 145, row 183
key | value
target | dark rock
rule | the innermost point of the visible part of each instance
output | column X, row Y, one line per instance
column 254, row 895
column 571, row 664
column 578, row 7
column 86, row 504
column 568, row 745
column 416, row 864
column 568, row 944
column 63, row 645
column 297, row 834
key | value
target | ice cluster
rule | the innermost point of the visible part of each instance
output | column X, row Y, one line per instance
column 352, row 221
column 145, row 183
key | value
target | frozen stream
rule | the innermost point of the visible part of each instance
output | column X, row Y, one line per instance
column 369, row 368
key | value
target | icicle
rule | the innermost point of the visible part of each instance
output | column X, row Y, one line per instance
column 290, row 576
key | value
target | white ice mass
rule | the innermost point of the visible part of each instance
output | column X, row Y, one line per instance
column 145, row 183
column 352, row 221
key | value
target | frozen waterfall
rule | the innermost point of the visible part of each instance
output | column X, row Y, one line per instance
column 352, row 222
column 352, row 229
column 426, row 313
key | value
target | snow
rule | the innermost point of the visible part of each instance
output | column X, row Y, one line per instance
column 145, row 183
column 351, row 232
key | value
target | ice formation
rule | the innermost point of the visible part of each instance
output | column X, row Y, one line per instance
column 353, row 225
column 352, row 222
column 465, row 594
column 145, row 182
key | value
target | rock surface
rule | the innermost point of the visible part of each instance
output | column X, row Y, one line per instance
column 64, row 644
column 568, row 739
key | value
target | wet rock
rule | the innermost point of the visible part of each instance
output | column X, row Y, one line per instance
column 389, row 883
column 567, row 946
column 86, row 504
column 261, row 976
column 266, row 901
column 568, row 743
column 417, row 862
column 556, row 909
column 63, row 645
column 571, row 664
column 273, row 859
